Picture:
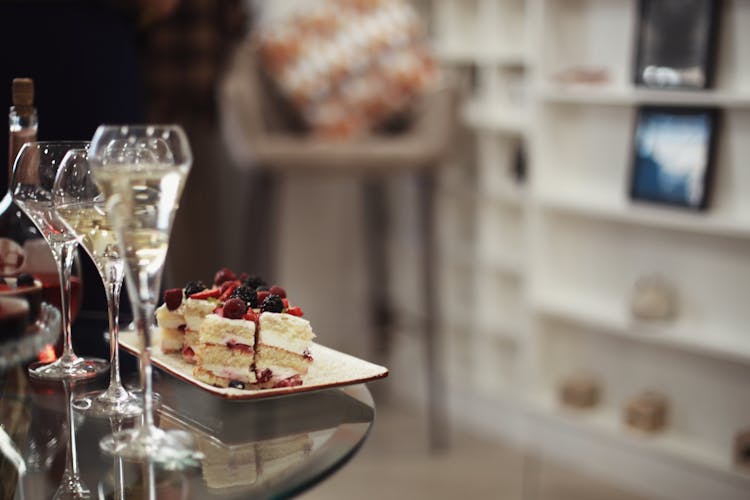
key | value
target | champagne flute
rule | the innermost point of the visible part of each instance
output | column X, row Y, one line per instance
column 141, row 171
column 80, row 205
column 33, row 176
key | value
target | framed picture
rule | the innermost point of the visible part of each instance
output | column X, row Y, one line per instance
column 673, row 157
column 676, row 43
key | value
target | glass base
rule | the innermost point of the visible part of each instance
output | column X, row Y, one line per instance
column 172, row 449
column 64, row 369
column 103, row 404
column 71, row 488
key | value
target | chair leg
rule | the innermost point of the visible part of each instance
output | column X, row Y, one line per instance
column 438, row 425
column 378, row 282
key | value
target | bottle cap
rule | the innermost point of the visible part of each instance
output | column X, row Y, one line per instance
column 23, row 94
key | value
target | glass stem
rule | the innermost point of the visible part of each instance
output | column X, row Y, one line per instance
column 146, row 310
column 71, row 481
column 113, row 286
column 64, row 255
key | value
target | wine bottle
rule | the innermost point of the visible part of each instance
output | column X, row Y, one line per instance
column 22, row 248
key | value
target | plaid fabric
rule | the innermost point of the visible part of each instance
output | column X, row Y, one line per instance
column 184, row 56
column 348, row 66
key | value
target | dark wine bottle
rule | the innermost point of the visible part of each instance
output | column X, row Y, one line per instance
column 22, row 248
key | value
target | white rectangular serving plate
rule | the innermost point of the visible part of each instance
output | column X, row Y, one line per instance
column 330, row 368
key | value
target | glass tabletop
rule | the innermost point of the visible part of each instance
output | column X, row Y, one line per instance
column 270, row 448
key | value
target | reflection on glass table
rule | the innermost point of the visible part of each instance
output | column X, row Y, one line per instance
column 271, row 448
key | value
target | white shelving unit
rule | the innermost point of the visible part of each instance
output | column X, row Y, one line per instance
column 546, row 268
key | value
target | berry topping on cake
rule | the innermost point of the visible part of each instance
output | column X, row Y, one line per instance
column 173, row 298
column 254, row 282
column 295, row 311
column 236, row 384
column 262, row 294
column 207, row 294
column 227, row 288
column 247, row 294
column 224, row 274
column 250, row 315
column 194, row 287
column 2, row 281
column 277, row 290
column 272, row 303
column 234, row 308
column 25, row 279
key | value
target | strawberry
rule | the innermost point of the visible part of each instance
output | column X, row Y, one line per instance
column 262, row 295
column 227, row 288
column 250, row 315
column 285, row 302
column 206, row 294
column 295, row 311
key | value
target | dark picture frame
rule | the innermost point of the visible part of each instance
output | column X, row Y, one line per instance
column 676, row 43
column 673, row 156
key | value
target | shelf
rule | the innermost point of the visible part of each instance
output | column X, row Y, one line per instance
column 606, row 422
column 481, row 116
column 599, row 207
column 457, row 53
column 593, row 94
column 612, row 318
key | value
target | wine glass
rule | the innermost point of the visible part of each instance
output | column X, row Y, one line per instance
column 34, row 174
column 141, row 171
column 80, row 205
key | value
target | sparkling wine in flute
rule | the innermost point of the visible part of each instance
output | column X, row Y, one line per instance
column 142, row 200
column 141, row 171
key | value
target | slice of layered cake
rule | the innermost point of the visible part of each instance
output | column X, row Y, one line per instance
column 225, row 353
column 283, row 349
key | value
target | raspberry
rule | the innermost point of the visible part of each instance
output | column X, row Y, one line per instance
column 224, row 274
column 25, row 279
column 247, row 294
column 295, row 311
column 234, row 308
column 254, row 282
column 277, row 290
column 272, row 303
column 194, row 287
column 243, row 277
column 262, row 295
column 173, row 298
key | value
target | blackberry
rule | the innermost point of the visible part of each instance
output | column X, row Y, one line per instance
column 236, row 384
column 25, row 279
column 194, row 287
column 272, row 303
column 262, row 288
column 247, row 294
column 254, row 282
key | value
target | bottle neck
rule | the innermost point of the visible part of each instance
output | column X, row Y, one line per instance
column 22, row 128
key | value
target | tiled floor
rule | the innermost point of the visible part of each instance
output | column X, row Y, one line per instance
column 395, row 464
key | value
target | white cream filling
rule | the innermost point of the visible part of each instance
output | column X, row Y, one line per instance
column 274, row 339
column 169, row 319
column 241, row 374
column 236, row 339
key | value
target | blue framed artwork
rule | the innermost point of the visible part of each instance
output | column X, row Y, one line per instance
column 673, row 157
